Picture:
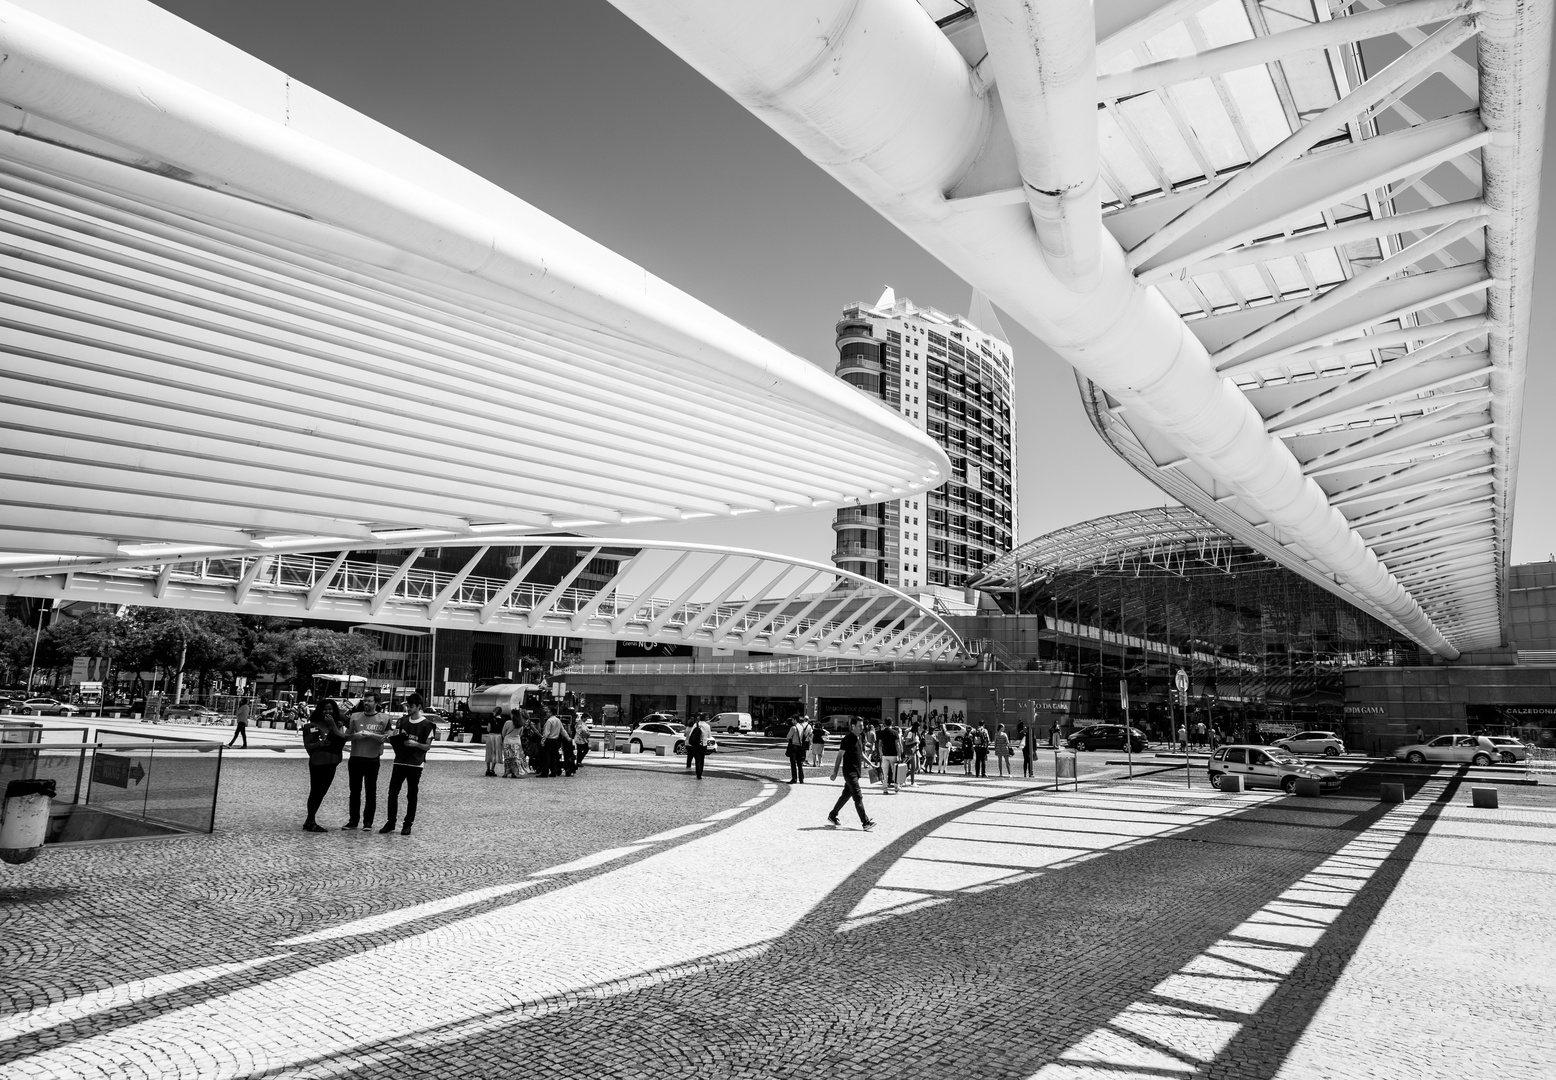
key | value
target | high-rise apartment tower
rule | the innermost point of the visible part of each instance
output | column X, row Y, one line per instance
column 951, row 376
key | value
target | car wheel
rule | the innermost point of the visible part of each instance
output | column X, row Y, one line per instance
column 1509, row 759
column 636, row 746
column 1415, row 757
column 1482, row 759
column 680, row 747
column 1215, row 780
column 1330, row 751
column 1081, row 745
column 1288, row 784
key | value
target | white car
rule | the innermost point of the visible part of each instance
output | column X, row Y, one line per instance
column 1448, row 749
column 650, row 735
column 1313, row 743
column 47, row 706
column 1511, row 749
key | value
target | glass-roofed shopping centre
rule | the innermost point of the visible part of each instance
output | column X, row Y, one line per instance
column 1140, row 595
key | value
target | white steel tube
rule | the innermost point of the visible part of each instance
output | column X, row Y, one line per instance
column 1045, row 65
column 873, row 92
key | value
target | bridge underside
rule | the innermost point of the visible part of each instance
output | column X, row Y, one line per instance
column 1288, row 247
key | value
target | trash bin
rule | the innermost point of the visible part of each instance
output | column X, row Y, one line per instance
column 24, row 819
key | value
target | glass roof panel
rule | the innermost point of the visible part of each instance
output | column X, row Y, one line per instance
column 1254, row 92
column 1199, row 102
column 1224, row 23
column 1121, row 157
column 1160, row 135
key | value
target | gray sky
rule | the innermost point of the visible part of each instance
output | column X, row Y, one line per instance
column 574, row 109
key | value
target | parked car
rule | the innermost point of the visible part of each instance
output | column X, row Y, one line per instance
column 778, row 729
column 1313, row 743
column 1512, row 749
column 1448, row 749
column 1268, row 767
column 837, row 723
column 651, row 734
column 735, row 722
column 1106, row 737
column 194, row 714
column 661, row 718
column 47, row 706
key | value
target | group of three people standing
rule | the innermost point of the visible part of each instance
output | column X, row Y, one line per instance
column 367, row 730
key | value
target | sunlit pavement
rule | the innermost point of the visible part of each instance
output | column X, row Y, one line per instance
column 633, row 921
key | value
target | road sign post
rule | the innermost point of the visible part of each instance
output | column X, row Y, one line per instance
column 1181, row 681
column 1129, row 734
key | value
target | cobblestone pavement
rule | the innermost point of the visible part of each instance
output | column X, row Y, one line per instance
column 632, row 922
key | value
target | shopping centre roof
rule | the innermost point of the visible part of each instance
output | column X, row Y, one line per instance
column 1288, row 245
column 1170, row 539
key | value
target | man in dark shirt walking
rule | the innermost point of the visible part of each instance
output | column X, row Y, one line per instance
column 850, row 759
column 410, row 744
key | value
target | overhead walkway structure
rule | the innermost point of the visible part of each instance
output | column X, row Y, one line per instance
column 1287, row 246
column 575, row 587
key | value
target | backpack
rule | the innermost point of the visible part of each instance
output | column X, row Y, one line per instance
column 694, row 736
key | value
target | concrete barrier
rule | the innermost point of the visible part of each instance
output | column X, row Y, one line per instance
column 1391, row 793
column 1484, row 797
column 1308, row 787
column 1230, row 782
column 662, row 750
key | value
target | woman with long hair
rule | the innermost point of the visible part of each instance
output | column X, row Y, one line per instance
column 324, row 737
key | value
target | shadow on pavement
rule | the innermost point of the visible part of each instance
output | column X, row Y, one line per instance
column 987, row 982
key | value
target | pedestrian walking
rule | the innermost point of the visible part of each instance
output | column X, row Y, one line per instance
column 697, row 738
column 513, row 755
column 551, row 746
column 910, row 750
column 240, row 722
column 818, row 743
column 580, row 740
column 942, row 747
column 491, row 735
column 980, row 750
column 1199, row 734
column 411, row 742
column 1026, row 738
column 369, row 729
column 850, row 761
column 1002, row 749
column 1183, row 738
column 887, row 742
column 569, row 746
column 796, row 748
column 324, row 737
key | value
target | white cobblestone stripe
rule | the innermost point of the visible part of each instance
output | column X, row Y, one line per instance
column 76, row 1008
column 1189, row 1018
column 503, row 960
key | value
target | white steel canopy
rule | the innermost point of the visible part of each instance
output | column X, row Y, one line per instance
column 236, row 313
column 684, row 594
column 1288, row 246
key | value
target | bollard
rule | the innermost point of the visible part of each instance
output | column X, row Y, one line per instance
column 1484, row 797
column 660, row 750
column 1308, row 787
column 1230, row 782
column 1391, row 793
column 24, row 819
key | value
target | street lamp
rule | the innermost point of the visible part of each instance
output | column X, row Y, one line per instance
column 43, row 605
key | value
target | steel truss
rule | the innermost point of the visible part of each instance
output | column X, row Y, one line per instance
column 1288, row 247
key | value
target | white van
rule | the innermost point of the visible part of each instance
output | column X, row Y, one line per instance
column 731, row 721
